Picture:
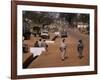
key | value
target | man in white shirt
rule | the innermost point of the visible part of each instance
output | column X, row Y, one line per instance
column 40, row 43
column 63, row 49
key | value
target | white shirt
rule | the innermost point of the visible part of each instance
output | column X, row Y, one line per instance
column 39, row 43
column 63, row 45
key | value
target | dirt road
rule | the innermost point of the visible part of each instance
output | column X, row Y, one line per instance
column 52, row 57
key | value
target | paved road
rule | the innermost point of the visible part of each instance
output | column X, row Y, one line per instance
column 52, row 57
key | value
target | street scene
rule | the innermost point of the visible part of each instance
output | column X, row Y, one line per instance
column 54, row 39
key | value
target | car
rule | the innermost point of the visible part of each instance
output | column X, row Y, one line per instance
column 45, row 35
column 57, row 33
column 64, row 34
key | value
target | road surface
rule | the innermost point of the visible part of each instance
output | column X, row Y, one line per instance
column 52, row 58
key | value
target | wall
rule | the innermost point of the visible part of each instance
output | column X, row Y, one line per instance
column 5, row 40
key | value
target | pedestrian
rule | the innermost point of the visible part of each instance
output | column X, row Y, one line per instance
column 63, row 47
column 80, row 47
column 36, row 44
column 40, row 43
column 25, row 48
column 45, row 45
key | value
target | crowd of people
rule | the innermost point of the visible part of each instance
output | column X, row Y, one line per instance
column 41, row 43
column 62, row 47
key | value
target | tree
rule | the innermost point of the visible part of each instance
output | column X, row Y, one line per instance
column 41, row 18
column 84, row 18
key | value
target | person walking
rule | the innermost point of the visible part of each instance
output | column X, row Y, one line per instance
column 40, row 43
column 80, row 47
column 36, row 44
column 63, row 47
column 45, row 45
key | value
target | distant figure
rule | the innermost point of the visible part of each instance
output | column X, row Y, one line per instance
column 36, row 44
column 80, row 48
column 44, row 44
column 63, row 49
column 25, row 48
column 40, row 43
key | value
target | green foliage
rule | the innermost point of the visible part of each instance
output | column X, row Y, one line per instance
column 41, row 18
column 46, row 18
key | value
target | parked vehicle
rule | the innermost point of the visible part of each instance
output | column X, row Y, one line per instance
column 45, row 35
column 64, row 34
